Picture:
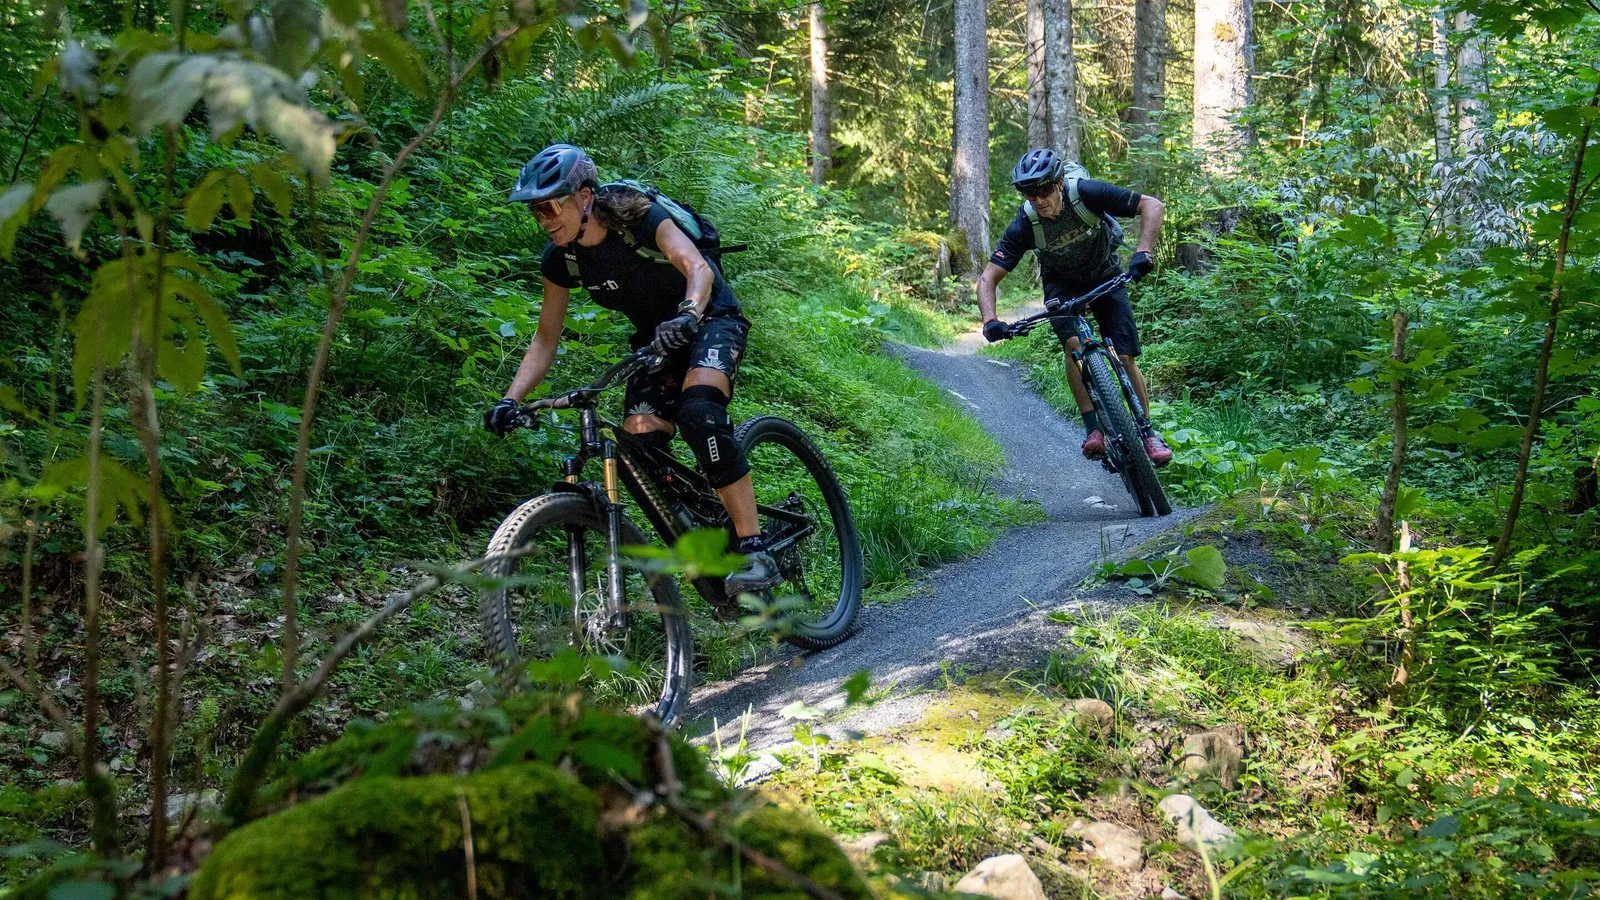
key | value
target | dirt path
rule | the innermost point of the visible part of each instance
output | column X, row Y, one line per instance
column 985, row 613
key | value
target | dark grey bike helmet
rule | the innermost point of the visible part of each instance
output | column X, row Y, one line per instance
column 558, row 170
column 1037, row 169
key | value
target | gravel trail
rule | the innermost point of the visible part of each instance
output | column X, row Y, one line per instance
column 986, row 613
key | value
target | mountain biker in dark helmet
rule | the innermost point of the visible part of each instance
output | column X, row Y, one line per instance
column 1078, row 257
column 675, row 298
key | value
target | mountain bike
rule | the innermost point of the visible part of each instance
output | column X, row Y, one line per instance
column 1122, row 417
column 556, row 572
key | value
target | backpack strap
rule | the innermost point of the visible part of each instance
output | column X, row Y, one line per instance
column 1085, row 215
column 1039, row 240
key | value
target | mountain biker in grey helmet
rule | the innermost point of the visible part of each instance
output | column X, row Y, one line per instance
column 626, row 251
column 1074, row 257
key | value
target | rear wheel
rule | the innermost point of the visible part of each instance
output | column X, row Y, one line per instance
column 539, row 604
column 1124, row 443
column 806, row 519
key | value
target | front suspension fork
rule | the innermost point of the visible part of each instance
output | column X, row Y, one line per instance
column 616, row 603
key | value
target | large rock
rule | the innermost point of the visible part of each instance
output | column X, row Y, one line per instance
column 1115, row 845
column 860, row 849
column 1091, row 716
column 1276, row 647
column 1193, row 823
column 1217, row 754
column 1004, row 878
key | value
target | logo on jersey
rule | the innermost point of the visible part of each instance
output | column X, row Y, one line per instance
column 607, row 285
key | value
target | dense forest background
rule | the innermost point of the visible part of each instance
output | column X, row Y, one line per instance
column 260, row 278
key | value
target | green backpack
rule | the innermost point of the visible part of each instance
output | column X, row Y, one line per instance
column 697, row 227
column 1075, row 173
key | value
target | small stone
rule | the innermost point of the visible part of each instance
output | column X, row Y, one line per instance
column 178, row 804
column 54, row 740
column 1193, row 823
column 1044, row 847
column 1091, row 716
column 1117, row 846
column 1217, row 754
column 1167, row 893
column 1003, row 878
column 860, row 850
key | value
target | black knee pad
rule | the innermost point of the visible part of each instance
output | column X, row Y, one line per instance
column 703, row 419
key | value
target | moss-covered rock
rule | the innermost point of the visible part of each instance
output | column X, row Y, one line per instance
column 534, row 833
column 552, row 816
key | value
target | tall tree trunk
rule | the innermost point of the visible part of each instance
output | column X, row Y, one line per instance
column 1442, row 151
column 1223, row 63
column 821, row 111
column 1149, row 65
column 1038, row 79
column 1061, row 69
column 1542, row 375
column 969, row 166
column 1472, row 82
column 1397, row 459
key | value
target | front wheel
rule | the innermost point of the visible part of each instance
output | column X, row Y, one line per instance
column 806, row 520
column 547, row 590
column 1124, row 443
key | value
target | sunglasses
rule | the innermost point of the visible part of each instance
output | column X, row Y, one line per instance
column 1038, row 193
column 545, row 210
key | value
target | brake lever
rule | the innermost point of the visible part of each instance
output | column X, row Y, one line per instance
column 527, row 418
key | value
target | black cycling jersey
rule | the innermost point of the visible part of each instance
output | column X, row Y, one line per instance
column 1079, row 257
column 617, row 277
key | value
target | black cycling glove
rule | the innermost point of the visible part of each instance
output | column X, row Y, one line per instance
column 996, row 330
column 1140, row 265
column 501, row 417
column 677, row 332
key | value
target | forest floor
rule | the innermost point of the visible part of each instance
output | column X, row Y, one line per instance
column 977, row 614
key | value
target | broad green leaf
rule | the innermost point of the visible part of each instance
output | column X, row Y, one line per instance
column 119, row 488
column 73, row 207
column 801, row 710
column 304, row 132
column 275, row 186
column 240, row 197
column 164, row 87
column 399, row 57
column 218, row 328
column 1205, row 567
column 1442, row 827
column 201, row 206
column 856, row 687
column 604, row 755
column 538, row 737
column 345, row 12
column 875, row 763
column 82, row 890
column 78, row 71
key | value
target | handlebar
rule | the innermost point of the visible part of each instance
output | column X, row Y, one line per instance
column 1062, row 309
column 647, row 357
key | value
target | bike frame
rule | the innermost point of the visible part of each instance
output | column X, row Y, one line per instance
column 674, row 497
column 1075, row 313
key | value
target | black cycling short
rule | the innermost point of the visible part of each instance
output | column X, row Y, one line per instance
column 1113, row 316
column 718, row 345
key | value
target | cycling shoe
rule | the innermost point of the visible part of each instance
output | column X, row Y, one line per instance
column 1157, row 449
column 760, row 573
column 1094, row 446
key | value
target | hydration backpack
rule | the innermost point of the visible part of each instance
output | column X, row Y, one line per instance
column 697, row 227
column 1075, row 172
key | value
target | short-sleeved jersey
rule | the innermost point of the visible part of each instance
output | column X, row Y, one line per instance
column 1078, row 256
column 617, row 277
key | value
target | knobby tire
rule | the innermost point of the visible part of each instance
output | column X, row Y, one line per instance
column 1121, row 430
column 558, row 512
column 834, row 625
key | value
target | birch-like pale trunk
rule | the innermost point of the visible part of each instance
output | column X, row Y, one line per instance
column 969, row 165
column 1472, row 84
column 821, row 111
column 1223, row 63
column 1038, row 83
column 1061, row 74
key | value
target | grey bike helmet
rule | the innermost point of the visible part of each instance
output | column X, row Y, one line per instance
column 558, row 170
column 1037, row 169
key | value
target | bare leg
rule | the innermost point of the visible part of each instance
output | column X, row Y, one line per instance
column 739, row 498
column 1075, row 378
column 1135, row 376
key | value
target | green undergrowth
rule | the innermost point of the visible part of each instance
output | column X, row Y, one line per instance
column 1453, row 789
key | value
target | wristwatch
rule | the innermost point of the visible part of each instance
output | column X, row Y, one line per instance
column 687, row 306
